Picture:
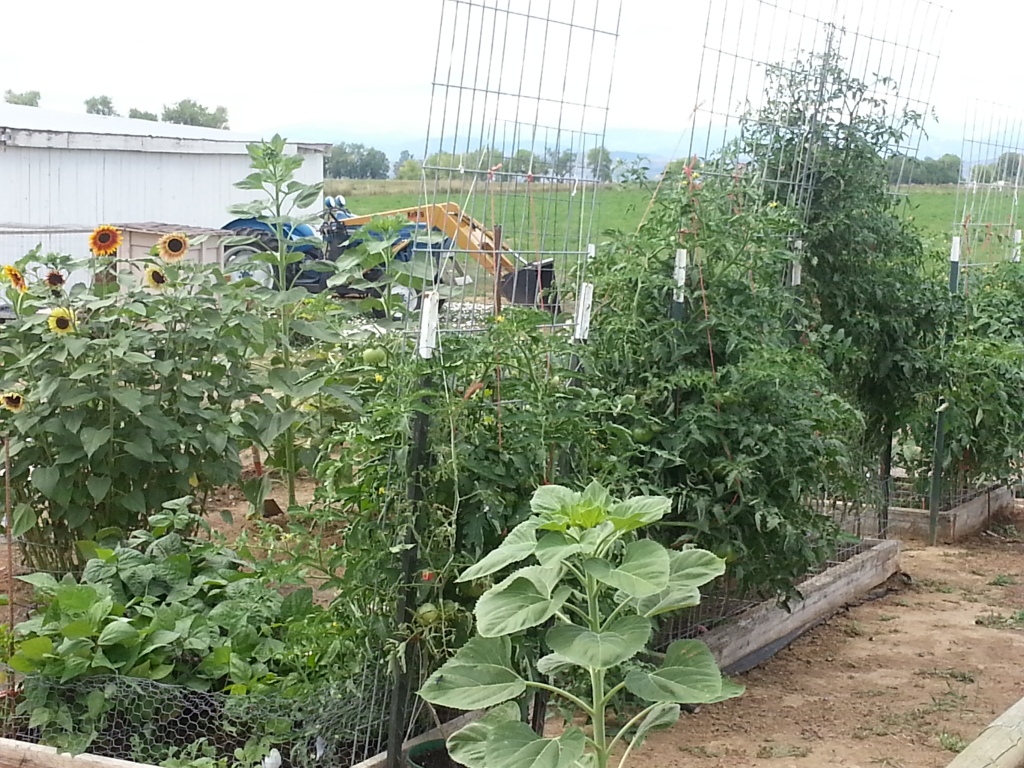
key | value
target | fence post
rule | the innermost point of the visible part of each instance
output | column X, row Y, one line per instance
column 418, row 461
column 935, row 500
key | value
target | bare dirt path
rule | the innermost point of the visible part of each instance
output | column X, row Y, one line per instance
column 903, row 681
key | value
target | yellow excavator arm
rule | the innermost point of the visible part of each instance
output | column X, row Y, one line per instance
column 467, row 233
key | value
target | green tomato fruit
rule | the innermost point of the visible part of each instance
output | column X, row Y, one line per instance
column 427, row 615
column 643, row 434
column 374, row 356
column 473, row 589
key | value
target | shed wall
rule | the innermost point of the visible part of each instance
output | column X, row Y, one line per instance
column 81, row 188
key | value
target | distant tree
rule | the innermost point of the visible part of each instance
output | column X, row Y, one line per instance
column 480, row 159
column 599, row 163
column 904, row 170
column 100, row 105
column 525, row 162
column 357, row 161
column 374, row 165
column 402, row 158
column 138, row 114
column 25, row 98
column 411, row 170
column 189, row 112
column 561, row 162
column 1010, row 167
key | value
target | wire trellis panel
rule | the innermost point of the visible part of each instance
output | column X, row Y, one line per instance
column 988, row 216
column 754, row 49
column 515, row 139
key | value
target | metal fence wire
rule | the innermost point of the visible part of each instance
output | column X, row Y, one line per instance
column 145, row 721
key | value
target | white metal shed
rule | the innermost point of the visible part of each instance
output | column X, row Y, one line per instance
column 62, row 174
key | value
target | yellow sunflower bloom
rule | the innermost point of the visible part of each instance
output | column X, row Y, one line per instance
column 15, row 277
column 12, row 401
column 54, row 280
column 105, row 240
column 61, row 320
column 173, row 247
column 155, row 278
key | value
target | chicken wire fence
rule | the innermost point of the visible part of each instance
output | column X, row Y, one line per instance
column 145, row 721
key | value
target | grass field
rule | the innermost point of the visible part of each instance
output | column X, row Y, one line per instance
column 553, row 215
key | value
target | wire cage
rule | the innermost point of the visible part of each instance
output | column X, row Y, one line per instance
column 515, row 152
column 988, row 194
column 756, row 49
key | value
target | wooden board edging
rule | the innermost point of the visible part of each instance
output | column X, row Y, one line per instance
column 446, row 730
column 767, row 623
column 21, row 754
column 1001, row 745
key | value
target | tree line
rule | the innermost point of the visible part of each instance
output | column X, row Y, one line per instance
column 358, row 161
column 184, row 112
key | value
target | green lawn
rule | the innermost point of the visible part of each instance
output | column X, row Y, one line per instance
column 551, row 220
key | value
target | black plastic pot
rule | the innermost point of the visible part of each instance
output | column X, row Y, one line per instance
column 430, row 754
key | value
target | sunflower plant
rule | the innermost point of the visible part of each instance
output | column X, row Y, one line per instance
column 298, row 376
column 598, row 587
column 118, row 397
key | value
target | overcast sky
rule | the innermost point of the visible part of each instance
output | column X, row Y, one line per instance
column 355, row 70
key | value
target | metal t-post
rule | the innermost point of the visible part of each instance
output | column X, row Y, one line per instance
column 940, row 414
column 418, row 461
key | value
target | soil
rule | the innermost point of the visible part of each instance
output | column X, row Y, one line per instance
column 902, row 681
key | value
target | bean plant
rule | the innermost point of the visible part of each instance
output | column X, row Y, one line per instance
column 600, row 585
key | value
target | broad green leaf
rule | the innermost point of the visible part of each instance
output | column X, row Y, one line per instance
column 518, row 545
column 515, row 745
column 644, row 570
column 45, row 480
column 730, row 690
column 480, row 675
column 98, row 486
column 688, row 676
column 118, row 633
column 95, row 702
column 23, row 520
column 76, row 598
column 44, row 583
column 552, row 664
column 663, row 715
column 130, row 399
column 468, row 745
column 598, row 495
column 76, row 629
column 694, row 567
column 74, row 666
column 688, row 570
column 93, row 439
column 521, row 601
column 622, row 640
column 553, row 547
column 35, row 648
column 639, row 511
column 552, row 499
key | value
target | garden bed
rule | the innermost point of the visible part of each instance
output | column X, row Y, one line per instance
column 955, row 524
column 901, row 681
column 744, row 638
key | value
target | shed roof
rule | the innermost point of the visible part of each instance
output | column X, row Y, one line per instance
column 18, row 121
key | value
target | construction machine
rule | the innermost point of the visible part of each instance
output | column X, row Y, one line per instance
column 441, row 233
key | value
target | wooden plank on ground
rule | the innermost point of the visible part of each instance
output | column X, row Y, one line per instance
column 19, row 754
column 1001, row 745
column 823, row 595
